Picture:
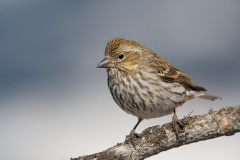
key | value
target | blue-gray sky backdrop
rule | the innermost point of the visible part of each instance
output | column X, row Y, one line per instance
column 54, row 102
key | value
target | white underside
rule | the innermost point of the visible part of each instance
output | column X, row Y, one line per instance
column 162, row 103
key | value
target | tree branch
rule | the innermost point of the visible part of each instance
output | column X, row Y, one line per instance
column 153, row 140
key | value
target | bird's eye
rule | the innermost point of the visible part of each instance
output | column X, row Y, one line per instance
column 121, row 56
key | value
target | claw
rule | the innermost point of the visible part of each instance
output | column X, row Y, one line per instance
column 133, row 134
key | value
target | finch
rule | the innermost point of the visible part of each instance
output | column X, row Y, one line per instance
column 144, row 84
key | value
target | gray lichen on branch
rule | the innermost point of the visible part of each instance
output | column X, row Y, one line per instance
column 154, row 140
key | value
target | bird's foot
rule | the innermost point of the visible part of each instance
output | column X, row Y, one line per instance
column 176, row 124
column 133, row 135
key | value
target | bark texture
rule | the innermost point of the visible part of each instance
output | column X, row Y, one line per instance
column 153, row 140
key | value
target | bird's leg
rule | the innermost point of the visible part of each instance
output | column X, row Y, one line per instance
column 176, row 123
column 133, row 133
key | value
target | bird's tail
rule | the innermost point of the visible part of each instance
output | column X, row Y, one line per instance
column 209, row 96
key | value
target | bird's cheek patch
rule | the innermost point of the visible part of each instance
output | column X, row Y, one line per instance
column 133, row 58
column 131, row 61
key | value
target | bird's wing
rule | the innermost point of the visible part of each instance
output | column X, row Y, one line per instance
column 170, row 74
column 174, row 75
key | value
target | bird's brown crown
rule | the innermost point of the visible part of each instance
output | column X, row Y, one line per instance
column 120, row 45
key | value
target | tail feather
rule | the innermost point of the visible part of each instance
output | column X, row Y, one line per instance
column 209, row 96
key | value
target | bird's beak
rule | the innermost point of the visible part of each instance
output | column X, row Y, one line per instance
column 107, row 62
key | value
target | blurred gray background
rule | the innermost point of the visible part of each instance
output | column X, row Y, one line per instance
column 54, row 102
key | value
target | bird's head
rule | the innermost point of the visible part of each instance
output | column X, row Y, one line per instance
column 122, row 54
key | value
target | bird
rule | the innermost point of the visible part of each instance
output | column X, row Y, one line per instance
column 144, row 84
